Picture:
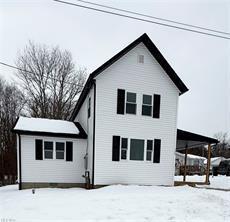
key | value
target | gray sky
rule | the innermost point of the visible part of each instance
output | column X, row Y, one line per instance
column 202, row 62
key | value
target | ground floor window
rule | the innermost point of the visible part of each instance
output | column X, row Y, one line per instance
column 137, row 149
column 149, row 151
column 60, row 150
column 53, row 150
column 124, row 148
column 48, row 149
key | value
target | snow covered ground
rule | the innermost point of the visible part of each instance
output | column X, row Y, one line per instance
column 219, row 182
column 115, row 203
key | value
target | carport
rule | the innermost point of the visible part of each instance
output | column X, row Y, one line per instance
column 187, row 140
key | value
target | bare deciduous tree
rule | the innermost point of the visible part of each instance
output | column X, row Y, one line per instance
column 50, row 81
column 223, row 147
column 11, row 104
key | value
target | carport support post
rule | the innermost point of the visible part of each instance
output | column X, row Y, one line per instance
column 208, row 164
column 185, row 162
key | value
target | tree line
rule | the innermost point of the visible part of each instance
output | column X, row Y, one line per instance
column 48, row 85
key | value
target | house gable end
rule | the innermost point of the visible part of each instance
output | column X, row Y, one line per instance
column 155, row 53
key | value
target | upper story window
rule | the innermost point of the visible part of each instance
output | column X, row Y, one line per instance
column 127, row 103
column 131, row 106
column 48, row 149
column 89, row 107
column 147, row 105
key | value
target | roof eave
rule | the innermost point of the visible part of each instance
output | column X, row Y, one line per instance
column 51, row 134
column 185, row 135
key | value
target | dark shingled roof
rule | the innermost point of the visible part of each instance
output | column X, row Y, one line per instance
column 155, row 53
column 185, row 135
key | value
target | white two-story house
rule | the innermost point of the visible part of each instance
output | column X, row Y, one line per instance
column 123, row 129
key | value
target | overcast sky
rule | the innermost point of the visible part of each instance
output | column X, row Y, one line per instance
column 202, row 62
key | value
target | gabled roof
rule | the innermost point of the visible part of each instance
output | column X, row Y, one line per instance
column 155, row 53
column 48, row 127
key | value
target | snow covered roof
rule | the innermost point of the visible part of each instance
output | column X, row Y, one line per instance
column 196, row 157
column 191, row 156
column 42, row 126
column 215, row 159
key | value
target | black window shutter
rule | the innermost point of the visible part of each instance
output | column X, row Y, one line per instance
column 116, row 148
column 69, row 151
column 120, row 101
column 156, row 105
column 38, row 150
column 157, row 151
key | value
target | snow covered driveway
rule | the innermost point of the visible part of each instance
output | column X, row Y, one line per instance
column 115, row 203
column 218, row 182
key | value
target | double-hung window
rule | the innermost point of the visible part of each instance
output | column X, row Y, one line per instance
column 149, row 152
column 124, row 148
column 131, row 106
column 147, row 105
column 48, row 149
column 60, row 150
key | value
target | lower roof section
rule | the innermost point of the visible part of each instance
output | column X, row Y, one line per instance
column 48, row 127
column 190, row 140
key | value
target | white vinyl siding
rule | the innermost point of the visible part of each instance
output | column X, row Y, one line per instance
column 87, row 124
column 52, row 170
column 148, row 78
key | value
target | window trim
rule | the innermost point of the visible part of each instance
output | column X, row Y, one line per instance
column 52, row 150
column 128, row 150
column 143, row 104
column 126, row 97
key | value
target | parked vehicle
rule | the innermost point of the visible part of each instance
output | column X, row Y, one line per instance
column 222, row 169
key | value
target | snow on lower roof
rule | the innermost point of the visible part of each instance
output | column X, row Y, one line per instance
column 192, row 156
column 46, row 125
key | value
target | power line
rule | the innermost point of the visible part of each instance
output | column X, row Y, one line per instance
column 154, row 17
column 23, row 70
column 140, row 19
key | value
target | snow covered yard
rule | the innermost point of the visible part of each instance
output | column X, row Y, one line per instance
column 115, row 203
column 219, row 182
